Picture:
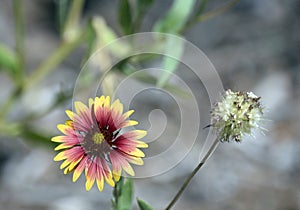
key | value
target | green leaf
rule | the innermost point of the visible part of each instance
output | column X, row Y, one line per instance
column 141, row 6
column 143, row 205
column 8, row 60
column 91, row 40
column 125, row 200
column 123, row 194
column 201, row 7
column 105, row 35
column 128, row 69
column 125, row 17
column 175, row 48
column 62, row 11
column 38, row 138
column 176, row 17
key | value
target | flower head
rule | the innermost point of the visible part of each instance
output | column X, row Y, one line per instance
column 93, row 142
column 237, row 114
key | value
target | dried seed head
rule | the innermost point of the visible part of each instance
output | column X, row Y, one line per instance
column 236, row 114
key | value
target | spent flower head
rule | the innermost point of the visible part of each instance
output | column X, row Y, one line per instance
column 236, row 114
column 94, row 143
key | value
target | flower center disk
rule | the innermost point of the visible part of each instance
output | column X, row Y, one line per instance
column 98, row 138
column 97, row 143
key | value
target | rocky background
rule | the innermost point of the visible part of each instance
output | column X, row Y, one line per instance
column 254, row 46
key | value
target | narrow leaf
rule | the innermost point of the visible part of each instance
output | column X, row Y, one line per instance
column 174, row 47
column 62, row 11
column 125, row 199
column 8, row 60
column 105, row 35
column 143, row 205
column 176, row 17
column 201, row 7
column 142, row 6
column 125, row 17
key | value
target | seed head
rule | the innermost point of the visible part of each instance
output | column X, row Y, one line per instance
column 237, row 114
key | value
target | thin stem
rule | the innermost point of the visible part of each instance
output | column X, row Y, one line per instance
column 217, row 11
column 187, row 181
column 211, row 14
column 19, row 39
column 71, row 28
column 56, row 58
column 9, row 102
column 43, row 69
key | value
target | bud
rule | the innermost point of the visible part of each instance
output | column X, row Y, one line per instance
column 236, row 115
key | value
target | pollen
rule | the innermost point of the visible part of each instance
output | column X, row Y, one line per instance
column 98, row 138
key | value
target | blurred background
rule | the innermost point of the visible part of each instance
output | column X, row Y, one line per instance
column 254, row 46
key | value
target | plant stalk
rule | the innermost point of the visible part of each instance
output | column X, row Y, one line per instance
column 194, row 172
column 19, row 40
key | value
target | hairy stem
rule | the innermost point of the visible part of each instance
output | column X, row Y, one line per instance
column 194, row 172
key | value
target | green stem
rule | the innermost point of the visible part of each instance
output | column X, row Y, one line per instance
column 9, row 102
column 19, row 39
column 55, row 59
column 211, row 14
column 217, row 11
column 9, row 129
column 43, row 69
column 72, row 23
column 187, row 181
column 202, row 6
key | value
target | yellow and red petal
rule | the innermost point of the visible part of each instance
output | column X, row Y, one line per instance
column 60, row 156
column 117, row 173
column 63, row 146
column 127, row 123
column 79, row 169
column 71, row 114
column 58, row 139
column 90, row 172
column 83, row 121
column 89, row 183
column 100, row 183
column 103, row 172
column 65, row 129
column 127, row 114
column 135, row 160
column 118, row 161
column 132, row 151
column 107, row 173
column 65, row 164
column 80, row 107
column 72, row 154
column 70, row 123
column 91, row 102
column 135, row 134
column 73, row 164
column 128, row 169
column 69, row 140
column 117, row 108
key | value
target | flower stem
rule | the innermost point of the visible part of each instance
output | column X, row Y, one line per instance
column 210, row 14
column 71, row 28
column 54, row 59
column 187, row 181
column 19, row 39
